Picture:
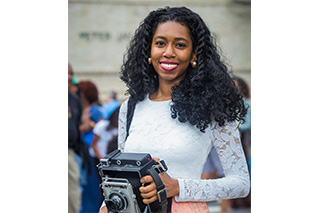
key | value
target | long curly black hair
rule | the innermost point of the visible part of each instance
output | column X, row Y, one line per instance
column 206, row 93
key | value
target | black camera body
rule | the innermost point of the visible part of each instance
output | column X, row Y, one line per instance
column 121, row 174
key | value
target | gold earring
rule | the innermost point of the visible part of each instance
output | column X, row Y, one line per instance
column 149, row 60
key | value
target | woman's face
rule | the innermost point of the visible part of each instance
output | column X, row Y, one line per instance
column 171, row 52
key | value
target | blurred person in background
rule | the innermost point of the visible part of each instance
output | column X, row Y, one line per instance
column 111, row 104
column 91, row 109
column 212, row 168
column 105, row 136
column 90, row 180
column 113, row 128
column 72, row 82
column 74, row 120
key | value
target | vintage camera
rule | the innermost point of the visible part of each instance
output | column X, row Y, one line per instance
column 121, row 174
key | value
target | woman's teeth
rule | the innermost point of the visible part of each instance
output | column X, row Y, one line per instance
column 169, row 65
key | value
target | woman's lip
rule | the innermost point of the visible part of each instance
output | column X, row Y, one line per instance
column 168, row 66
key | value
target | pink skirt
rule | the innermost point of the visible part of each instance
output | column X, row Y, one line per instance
column 189, row 207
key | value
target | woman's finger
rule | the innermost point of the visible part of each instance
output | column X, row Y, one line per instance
column 149, row 194
column 150, row 200
column 148, row 188
column 146, row 179
column 156, row 159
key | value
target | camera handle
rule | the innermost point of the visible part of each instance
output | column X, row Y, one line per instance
column 161, row 189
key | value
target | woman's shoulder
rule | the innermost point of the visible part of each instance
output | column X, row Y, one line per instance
column 124, row 105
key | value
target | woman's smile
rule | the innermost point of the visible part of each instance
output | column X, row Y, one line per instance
column 168, row 66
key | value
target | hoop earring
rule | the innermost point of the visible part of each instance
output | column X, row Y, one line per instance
column 149, row 60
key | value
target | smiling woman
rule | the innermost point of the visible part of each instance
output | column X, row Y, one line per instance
column 182, row 103
column 171, row 54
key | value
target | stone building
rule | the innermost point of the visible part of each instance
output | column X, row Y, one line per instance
column 100, row 30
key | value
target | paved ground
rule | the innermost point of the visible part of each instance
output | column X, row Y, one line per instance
column 214, row 207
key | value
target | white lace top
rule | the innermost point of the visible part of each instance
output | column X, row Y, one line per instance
column 185, row 149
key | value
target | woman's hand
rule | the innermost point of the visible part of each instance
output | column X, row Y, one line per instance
column 149, row 192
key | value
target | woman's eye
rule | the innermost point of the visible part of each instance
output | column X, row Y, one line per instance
column 180, row 45
column 160, row 43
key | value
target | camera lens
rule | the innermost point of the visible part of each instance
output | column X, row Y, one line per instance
column 116, row 202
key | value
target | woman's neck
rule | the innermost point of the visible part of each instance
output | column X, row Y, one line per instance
column 163, row 93
column 160, row 94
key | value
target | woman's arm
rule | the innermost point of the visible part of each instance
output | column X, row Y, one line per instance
column 235, row 184
column 94, row 146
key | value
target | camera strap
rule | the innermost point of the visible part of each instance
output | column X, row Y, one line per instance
column 130, row 111
column 161, row 190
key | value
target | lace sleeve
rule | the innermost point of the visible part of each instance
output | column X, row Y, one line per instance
column 235, row 184
column 122, row 125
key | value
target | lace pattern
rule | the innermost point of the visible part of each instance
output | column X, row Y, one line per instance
column 236, row 181
column 225, row 139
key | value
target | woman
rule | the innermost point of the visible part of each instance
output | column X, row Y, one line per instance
column 185, row 103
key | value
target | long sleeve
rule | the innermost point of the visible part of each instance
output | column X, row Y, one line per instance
column 236, row 182
column 122, row 125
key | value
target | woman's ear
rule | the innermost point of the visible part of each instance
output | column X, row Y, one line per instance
column 193, row 56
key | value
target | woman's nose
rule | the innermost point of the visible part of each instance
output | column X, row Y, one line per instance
column 169, row 51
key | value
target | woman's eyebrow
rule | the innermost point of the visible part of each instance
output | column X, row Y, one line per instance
column 177, row 38
column 160, row 37
column 181, row 38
